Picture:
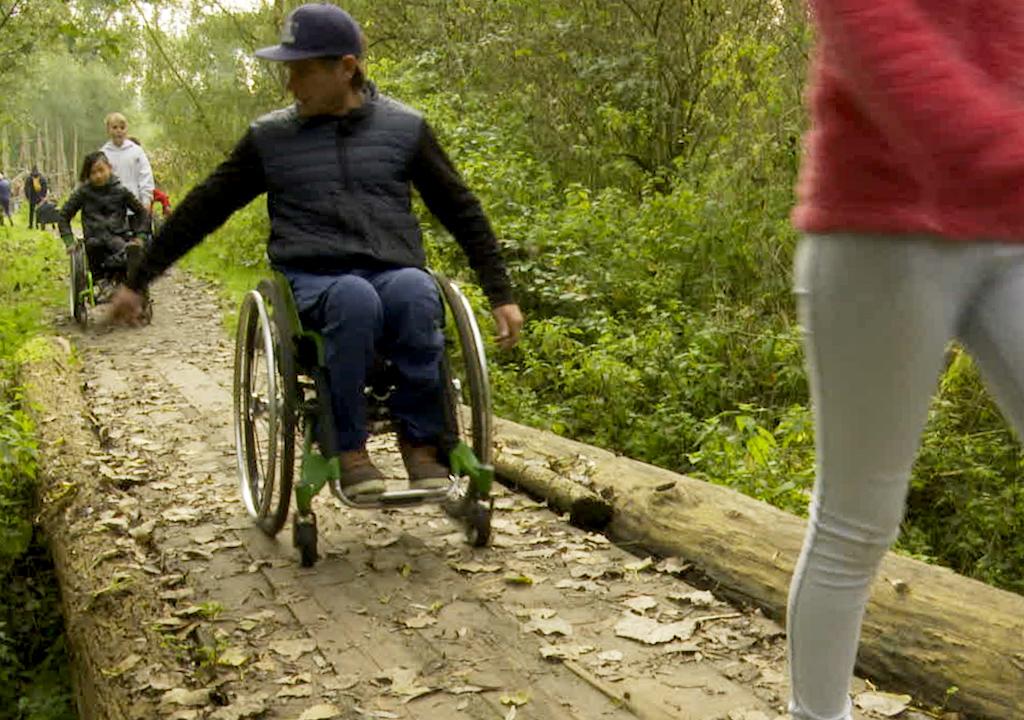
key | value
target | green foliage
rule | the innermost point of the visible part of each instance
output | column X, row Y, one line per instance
column 966, row 504
column 637, row 161
column 33, row 666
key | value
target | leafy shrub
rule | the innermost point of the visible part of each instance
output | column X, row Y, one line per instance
column 34, row 681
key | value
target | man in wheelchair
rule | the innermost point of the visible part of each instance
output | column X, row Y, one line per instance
column 338, row 167
column 112, row 237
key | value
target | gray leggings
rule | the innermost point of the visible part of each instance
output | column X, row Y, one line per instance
column 878, row 312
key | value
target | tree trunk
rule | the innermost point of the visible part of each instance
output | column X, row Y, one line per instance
column 24, row 152
column 927, row 629
column 62, row 163
column 67, row 489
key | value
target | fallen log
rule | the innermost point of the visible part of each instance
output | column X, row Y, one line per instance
column 552, row 479
column 98, row 620
column 927, row 629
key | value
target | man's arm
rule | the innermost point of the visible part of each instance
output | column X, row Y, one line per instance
column 447, row 197
column 234, row 184
column 65, row 215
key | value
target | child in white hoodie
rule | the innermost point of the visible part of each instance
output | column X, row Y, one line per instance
column 128, row 159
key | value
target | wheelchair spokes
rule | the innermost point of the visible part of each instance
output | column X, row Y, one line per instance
column 264, row 423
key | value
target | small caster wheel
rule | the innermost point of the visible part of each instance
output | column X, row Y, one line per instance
column 304, row 538
column 478, row 524
column 147, row 310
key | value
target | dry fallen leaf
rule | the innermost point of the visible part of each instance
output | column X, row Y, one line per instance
column 244, row 706
column 641, row 604
column 233, row 657
column 403, row 682
column 419, row 621
column 885, row 704
column 298, row 679
column 185, row 698
column 580, row 585
column 565, row 652
column 475, row 567
column 697, row 598
column 124, row 666
column 463, row 689
column 652, row 632
column 293, row 649
column 639, row 565
column 673, row 566
column 324, row 711
column 381, row 542
column 548, row 626
column 610, row 656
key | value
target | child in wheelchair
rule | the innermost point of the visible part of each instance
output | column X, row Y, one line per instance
column 113, row 238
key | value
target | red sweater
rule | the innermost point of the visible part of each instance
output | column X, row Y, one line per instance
column 917, row 119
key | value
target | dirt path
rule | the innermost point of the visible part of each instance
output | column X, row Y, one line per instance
column 400, row 619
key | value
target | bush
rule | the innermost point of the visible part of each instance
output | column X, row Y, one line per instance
column 34, row 682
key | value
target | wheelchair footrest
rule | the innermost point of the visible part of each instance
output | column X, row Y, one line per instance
column 394, row 498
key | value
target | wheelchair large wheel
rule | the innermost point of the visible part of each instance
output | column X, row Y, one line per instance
column 465, row 370
column 265, row 403
column 78, row 286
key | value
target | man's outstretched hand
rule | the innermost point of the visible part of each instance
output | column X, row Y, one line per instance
column 509, row 320
column 126, row 307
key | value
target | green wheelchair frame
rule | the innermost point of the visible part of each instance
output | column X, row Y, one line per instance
column 280, row 384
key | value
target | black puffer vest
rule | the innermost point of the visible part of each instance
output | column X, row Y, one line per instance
column 338, row 191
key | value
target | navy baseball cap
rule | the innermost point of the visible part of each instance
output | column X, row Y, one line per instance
column 316, row 30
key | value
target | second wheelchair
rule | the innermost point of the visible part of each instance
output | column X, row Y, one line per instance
column 89, row 286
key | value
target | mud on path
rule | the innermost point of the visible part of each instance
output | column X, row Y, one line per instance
column 400, row 618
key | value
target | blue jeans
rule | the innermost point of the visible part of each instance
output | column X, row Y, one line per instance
column 396, row 313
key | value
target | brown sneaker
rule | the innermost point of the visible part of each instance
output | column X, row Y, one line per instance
column 360, row 478
column 421, row 463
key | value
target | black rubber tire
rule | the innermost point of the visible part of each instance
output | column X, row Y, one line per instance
column 78, row 285
column 266, row 474
column 147, row 309
column 465, row 362
column 304, row 537
column 478, row 524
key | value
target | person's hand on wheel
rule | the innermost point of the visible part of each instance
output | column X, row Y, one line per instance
column 126, row 307
column 509, row 320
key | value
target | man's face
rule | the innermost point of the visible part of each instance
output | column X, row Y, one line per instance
column 117, row 131
column 321, row 87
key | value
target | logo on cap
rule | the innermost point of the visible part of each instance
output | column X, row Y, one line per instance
column 288, row 31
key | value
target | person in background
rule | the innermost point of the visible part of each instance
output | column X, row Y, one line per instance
column 5, row 200
column 128, row 159
column 338, row 168
column 36, row 188
column 109, row 230
column 911, row 205
column 164, row 201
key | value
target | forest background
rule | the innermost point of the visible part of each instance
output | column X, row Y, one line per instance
column 637, row 159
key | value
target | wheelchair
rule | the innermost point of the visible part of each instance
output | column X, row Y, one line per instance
column 84, row 291
column 281, row 393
